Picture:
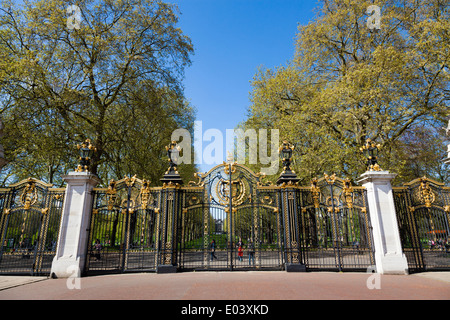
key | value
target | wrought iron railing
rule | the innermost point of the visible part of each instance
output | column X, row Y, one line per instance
column 29, row 226
column 423, row 214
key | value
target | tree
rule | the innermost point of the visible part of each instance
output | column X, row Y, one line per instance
column 419, row 152
column 113, row 75
column 347, row 83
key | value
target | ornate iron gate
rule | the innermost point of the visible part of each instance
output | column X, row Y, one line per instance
column 335, row 224
column 229, row 221
column 124, row 228
column 423, row 214
column 29, row 227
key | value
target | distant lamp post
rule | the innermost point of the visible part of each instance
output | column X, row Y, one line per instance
column 173, row 153
column 370, row 150
column 285, row 152
column 286, row 155
column 86, row 150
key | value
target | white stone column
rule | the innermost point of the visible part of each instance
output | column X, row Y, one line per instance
column 389, row 257
column 73, row 233
column 447, row 130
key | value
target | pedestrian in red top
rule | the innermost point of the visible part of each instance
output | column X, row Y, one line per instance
column 240, row 253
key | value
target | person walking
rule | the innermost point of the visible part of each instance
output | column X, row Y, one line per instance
column 251, row 253
column 98, row 249
column 213, row 249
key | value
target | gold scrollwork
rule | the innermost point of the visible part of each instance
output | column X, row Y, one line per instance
column 145, row 194
column 29, row 195
column 200, row 181
column 111, row 194
column 330, row 179
column 425, row 194
column 171, row 185
column 266, row 199
column 227, row 168
column 168, row 255
column 294, row 254
column 375, row 167
column 193, row 200
column 125, row 204
column 332, row 203
column 238, row 192
column 347, row 193
column 130, row 181
column 315, row 190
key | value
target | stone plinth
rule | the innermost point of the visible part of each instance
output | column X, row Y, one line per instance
column 389, row 255
column 74, row 230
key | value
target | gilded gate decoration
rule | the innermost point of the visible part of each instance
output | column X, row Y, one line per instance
column 135, row 227
column 423, row 214
column 124, row 227
column 230, row 221
column 29, row 226
column 325, row 226
column 337, row 233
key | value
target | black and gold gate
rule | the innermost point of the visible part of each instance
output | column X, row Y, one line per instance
column 336, row 230
column 423, row 214
column 230, row 221
column 124, row 229
column 29, row 227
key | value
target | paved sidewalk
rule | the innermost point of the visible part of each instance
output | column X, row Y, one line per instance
column 7, row 282
column 231, row 286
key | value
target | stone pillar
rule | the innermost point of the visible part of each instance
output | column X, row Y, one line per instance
column 389, row 257
column 74, row 230
column 447, row 130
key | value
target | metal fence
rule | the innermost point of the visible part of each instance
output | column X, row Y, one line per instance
column 228, row 220
column 29, row 227
column 123, row 233
column 336, row 229
column 423, row 210
column 247, row 237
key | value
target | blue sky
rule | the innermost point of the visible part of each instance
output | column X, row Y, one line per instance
column 232, row 38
